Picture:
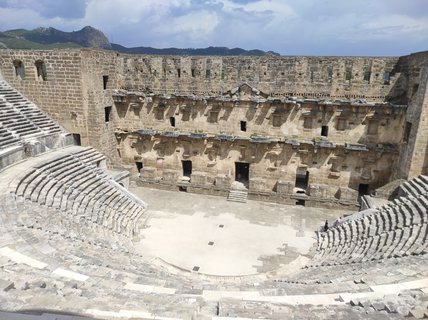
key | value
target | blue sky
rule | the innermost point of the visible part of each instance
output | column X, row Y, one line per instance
column 290, row 27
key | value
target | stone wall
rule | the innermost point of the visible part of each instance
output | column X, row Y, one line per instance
column 311, row 77
column 59, row 93
column 414, row 150
column 345, row 119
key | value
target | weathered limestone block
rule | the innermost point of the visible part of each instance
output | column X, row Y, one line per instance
column 319, row 190
column 285, row 187
column 34, row 148
column 347, row 194
column 199, row 178
column 148, row 173
column 257, row 184
column 11, row 156
column 222, row 181
column 170, row 175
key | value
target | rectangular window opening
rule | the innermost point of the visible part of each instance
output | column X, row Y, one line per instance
column 386, row 77
column 367, row 75
column 407, row 130
column 329, row 75
column 193, row 73
column 348, row 75
column 179, row 73
column 415, row 89
column 244, row 126
column 107, row 112
column 105, row 82
column 172, row 121
column 208, row 73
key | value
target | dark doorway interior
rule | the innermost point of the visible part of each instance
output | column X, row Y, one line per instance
column 172, row 121
column 107, row 112
column 324, row 131
column 139, row 166
column 302, row 179
column 187, row 168
column 242, row 172
column 363, row 189
column 243, row 125
column 76, row 138
column 300, row 203
column 105, row 81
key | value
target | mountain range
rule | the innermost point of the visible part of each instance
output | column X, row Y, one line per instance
column 89, row 37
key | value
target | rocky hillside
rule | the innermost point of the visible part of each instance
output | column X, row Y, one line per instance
column 89, row 37
column 210, row 51
column 47, row 38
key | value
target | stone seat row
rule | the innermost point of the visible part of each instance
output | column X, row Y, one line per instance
column 396, row 229
column 396, row 243
column 7, row 138
column 74, row 184
column 21, row 116
column 33, row 114
column 415, row 186
column 37, row 225
column 15, row 122
column 89, row 245
column 399, row 213
column 109, row 279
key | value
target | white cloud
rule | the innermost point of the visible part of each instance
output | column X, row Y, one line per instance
column 194, row 25
column 391, row 26
column 287, row 26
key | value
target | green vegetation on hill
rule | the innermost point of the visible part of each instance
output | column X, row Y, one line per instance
column 51, row 38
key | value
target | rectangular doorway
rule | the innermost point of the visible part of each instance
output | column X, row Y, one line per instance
column 363, row 189
column 76, row 139
column 302, row 179
column 187, row 168
column 139, row 166
column 242, row 172
column 324, row 131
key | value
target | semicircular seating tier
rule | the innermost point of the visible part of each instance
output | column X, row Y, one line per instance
column 72, row 180
column 396, row 229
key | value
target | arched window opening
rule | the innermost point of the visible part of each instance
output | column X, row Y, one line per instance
column 41, row 70
column 19, row 69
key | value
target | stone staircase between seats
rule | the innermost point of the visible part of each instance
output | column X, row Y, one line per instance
column 237, row 196
column 21, row 116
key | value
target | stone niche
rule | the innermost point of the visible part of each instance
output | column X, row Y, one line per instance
column 170, row 176
column 222, row 181
column 284, row 187
column 148, row 173
column 257, row 184
column 199, row 178
column 347, row 194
